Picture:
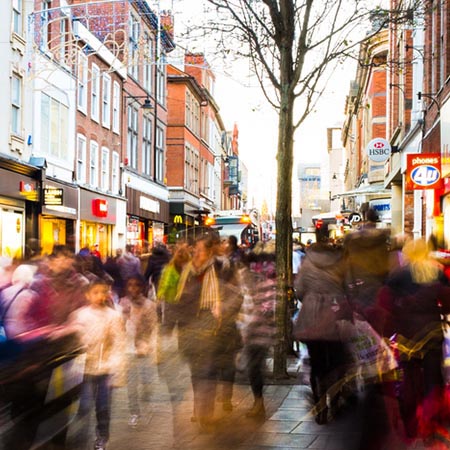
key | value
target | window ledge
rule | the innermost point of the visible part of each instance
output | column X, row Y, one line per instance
column 16, row 143
column 18, row 42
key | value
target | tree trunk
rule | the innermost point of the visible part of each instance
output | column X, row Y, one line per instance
column 283, row 222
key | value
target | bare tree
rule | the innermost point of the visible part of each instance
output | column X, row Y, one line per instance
column 290, row 45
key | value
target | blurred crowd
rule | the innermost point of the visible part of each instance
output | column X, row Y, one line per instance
column 368, row 314
column 217, row 300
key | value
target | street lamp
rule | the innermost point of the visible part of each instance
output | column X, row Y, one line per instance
column 147, row 102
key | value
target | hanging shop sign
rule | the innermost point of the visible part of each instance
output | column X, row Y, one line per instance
column 423, row 171
column 378, row 150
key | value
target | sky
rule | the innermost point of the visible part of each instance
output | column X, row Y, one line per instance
column 241, row 101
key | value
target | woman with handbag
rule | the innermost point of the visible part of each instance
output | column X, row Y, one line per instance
column 320, row 286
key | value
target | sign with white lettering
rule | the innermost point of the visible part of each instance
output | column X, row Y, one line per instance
column 423, row 171
column 378, row 150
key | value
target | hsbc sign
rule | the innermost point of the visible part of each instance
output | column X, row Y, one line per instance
column 378, row 150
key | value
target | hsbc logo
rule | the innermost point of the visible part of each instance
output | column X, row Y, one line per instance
column 378, row 150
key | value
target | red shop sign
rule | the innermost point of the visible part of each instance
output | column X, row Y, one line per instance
column 423, row 171
column 99, row 207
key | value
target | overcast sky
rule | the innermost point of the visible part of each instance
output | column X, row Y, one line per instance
column 241, row 101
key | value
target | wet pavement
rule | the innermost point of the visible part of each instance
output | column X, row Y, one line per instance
column 165, row 422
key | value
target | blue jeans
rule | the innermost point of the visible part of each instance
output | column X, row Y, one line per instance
column 96, row 389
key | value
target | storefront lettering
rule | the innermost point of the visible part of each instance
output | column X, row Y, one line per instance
column 148, row 204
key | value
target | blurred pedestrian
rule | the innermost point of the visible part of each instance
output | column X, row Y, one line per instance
column 159, row 258
column 102, row 331
column 139, row 314
column 199, row 302
column 129, row 264
column 411, row 304
column 320, row 286
column 258, row 329
column 168, row 284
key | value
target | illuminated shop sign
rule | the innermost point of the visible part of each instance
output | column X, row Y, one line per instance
column 423, row 171
column 99, row 207
column 53, row 196
column 28, row 190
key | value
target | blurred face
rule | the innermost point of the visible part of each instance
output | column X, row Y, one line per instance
column 60, row 264
column 98, row 294
column 201, row 254
column 134, row 288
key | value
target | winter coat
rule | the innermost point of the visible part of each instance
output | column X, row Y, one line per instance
column 412, row 311
column 367, row 263
column 168, row 283
column 156, row 262
column 140, row 322
column 321, row 290
column 258, row 311
column 49, row 300
column 101, row 330
column 129, row 265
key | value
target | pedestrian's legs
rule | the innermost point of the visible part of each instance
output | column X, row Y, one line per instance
column 145, row 376
column 103, row 407
column 256, row 367
column 132, row 385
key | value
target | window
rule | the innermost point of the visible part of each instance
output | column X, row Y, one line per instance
column 54, row 127
column 95, row 92
column 17, row 21
column 115, row 173
column 106, row 101
column 93, row 164
column 161, row 80
column 133, row 47
column 116, row 108
column 63, row 41
column 16, row 105
column 191, row 170
column 132, row 137
column 81, row 159
column 148, row 58
column 147, row 146
column 82, row 81
column 44, row 29
column 159, row 155
column 105, row 169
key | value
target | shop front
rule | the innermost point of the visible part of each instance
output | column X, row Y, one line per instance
column 147, row 219
column 19, row 208
column 59, row 215
column 98, row 217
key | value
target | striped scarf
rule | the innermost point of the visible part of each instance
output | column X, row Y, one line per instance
column 210, row 293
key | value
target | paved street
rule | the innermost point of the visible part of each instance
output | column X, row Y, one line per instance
column 166, row 419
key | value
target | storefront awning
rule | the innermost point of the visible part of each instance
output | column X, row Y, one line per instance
column 369, row 189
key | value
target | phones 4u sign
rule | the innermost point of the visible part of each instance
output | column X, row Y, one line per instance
column 423, row 171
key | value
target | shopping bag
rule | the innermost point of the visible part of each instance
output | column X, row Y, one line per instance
column 368, row 350
column 317, row 319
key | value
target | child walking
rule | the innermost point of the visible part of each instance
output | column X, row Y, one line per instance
column 140, row 318
column 102, row 331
